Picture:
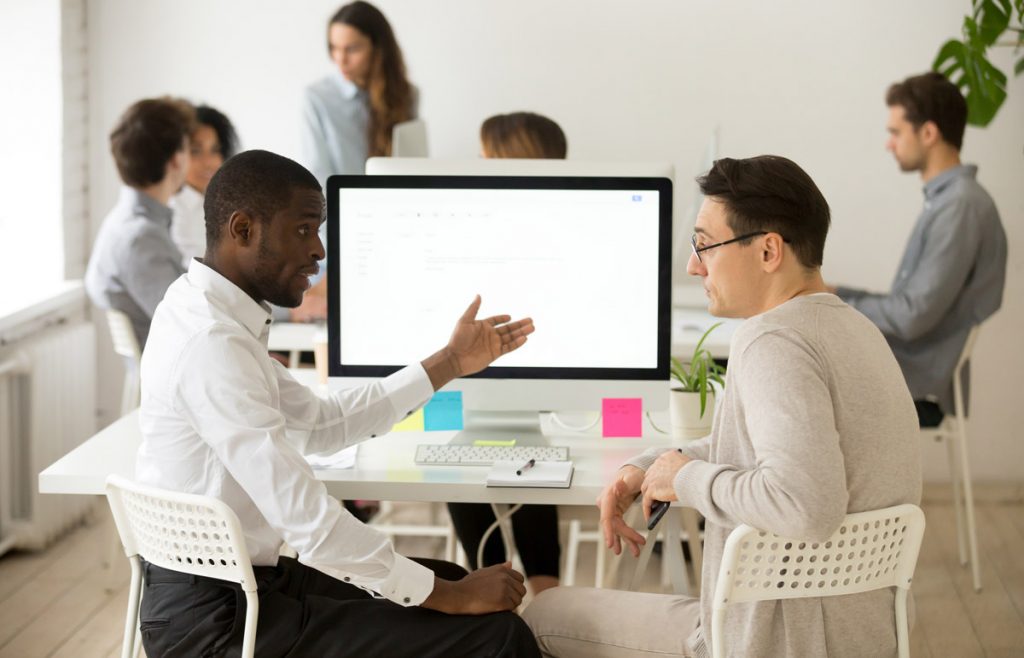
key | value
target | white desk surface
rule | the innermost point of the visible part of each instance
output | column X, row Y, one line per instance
column 384, row 469
column 293, row 336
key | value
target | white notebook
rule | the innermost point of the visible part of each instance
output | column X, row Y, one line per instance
column 551, row 475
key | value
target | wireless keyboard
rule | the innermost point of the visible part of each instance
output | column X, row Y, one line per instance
column 469, row 455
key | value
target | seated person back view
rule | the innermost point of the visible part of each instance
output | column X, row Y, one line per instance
column 535, row 527
column 953, row 269
column 220, row 418
column 815, row 422
column 134, row 258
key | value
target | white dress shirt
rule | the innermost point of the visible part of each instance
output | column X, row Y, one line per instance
column 220, row 418
column 188, row 225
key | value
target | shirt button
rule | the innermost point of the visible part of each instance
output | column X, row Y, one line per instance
column 407, row 599
column 347, row 579
column 373, row 436
column 408, row 413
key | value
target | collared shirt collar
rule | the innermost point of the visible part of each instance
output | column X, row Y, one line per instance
column 143, row 205
column 254, row 316
column 349, row 89
column 935, row 185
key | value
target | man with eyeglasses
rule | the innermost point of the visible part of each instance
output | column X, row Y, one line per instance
column 815, row 423
column 953, row 269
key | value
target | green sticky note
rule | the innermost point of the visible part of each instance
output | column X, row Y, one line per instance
column 495, row 442
column 411, row 423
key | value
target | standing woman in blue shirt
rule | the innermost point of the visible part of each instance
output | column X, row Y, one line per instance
column 348, row 115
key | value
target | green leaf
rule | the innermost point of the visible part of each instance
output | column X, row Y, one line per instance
column 1018, row 68
column 992, row 17
column 983, row 85
column 703, row 390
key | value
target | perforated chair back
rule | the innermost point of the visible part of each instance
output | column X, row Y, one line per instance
column 182, row 532
column 869, row 551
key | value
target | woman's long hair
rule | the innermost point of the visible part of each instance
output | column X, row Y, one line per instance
column 387, row 87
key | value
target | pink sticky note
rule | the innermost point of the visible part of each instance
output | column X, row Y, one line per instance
column 621, row 416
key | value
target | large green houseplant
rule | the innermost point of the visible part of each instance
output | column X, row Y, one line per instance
column 965, row 63
column 695, row 383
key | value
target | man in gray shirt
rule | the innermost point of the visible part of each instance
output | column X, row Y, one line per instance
column 953, row 270
column 815, row 423
column 134, row 259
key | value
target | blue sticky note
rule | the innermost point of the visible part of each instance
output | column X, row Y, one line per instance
column 443, row 412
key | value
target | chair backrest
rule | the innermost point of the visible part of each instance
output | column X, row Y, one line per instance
column 122, row 333
column 182, row 532
column 870, row 550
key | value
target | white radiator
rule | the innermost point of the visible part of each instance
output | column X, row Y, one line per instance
column 47, row 407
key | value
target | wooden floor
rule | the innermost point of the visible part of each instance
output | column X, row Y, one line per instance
column 62, row 602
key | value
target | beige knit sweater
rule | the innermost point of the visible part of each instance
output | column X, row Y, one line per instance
column 816, row 422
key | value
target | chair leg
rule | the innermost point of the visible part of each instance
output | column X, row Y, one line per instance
column 958, row 502
column 571, row 554
column 972, row 531
column 131, row 623
column 691, row 524
column 902, row 627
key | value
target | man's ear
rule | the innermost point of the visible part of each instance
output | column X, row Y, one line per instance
column 772, row 252
column 241, row 228
column 929, row 133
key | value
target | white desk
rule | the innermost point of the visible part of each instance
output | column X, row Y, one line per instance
column 384, row 470
column 294, row 338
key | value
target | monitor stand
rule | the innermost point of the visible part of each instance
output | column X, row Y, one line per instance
column 521, row 426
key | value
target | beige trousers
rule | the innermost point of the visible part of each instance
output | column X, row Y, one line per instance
column 600, row 623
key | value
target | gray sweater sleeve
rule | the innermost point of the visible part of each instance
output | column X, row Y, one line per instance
column 919, row 302
column 797, row 487
column 698, row 449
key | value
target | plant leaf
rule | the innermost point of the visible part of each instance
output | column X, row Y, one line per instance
column 992, row 17
column 702, row 373
column 1018, row 68
column 984, row 85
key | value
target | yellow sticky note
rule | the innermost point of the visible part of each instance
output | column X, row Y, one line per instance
column 495, row 442
column 413, row 423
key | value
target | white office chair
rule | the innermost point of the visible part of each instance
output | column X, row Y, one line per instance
column 953, row 430
column 870, row 550
column 183, row 532
column 122, row 334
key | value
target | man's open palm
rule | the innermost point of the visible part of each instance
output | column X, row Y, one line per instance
column 475, row 344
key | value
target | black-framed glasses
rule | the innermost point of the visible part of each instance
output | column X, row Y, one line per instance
column 697, row 250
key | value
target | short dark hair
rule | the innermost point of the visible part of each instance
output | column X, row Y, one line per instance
column 226, row 135
column 147, row 136
column 258, row 182
column 932, row 97
column 771, row 193
column 523, row 135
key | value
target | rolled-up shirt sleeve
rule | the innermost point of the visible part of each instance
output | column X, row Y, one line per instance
column 233, row 404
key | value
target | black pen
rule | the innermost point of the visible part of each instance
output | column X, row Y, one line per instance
column 525, row 467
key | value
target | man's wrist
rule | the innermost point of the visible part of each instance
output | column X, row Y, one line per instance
column 441, row 367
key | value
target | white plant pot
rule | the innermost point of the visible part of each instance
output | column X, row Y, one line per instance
column 684, row 415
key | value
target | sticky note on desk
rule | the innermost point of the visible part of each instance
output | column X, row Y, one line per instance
column 621, row 416
column 411, row 423
column 443, row 412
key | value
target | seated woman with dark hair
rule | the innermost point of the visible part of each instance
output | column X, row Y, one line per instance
column 535, row 527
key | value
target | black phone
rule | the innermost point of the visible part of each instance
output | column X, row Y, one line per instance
column 658, row 509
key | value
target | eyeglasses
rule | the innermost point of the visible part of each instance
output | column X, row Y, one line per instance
column 697, row 250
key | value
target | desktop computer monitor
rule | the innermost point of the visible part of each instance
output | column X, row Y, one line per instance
column 588, row 258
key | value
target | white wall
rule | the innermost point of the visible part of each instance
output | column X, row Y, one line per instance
column 804, row 79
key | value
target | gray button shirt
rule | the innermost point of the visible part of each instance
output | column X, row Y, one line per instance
column 134, row 259
column 951, row 278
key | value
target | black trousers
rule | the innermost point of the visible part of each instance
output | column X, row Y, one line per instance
column 534, row 527
column 303, row 612
column 929, row 414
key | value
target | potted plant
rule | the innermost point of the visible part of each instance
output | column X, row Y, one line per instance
column 689, row 410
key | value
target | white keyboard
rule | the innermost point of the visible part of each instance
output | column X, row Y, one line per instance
column 468, row 455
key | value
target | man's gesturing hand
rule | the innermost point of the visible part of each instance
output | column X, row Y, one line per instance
column 658, row 481
column 475, row 344
column 491, row 589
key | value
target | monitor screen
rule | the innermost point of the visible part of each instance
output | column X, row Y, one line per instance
column 587, row 258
